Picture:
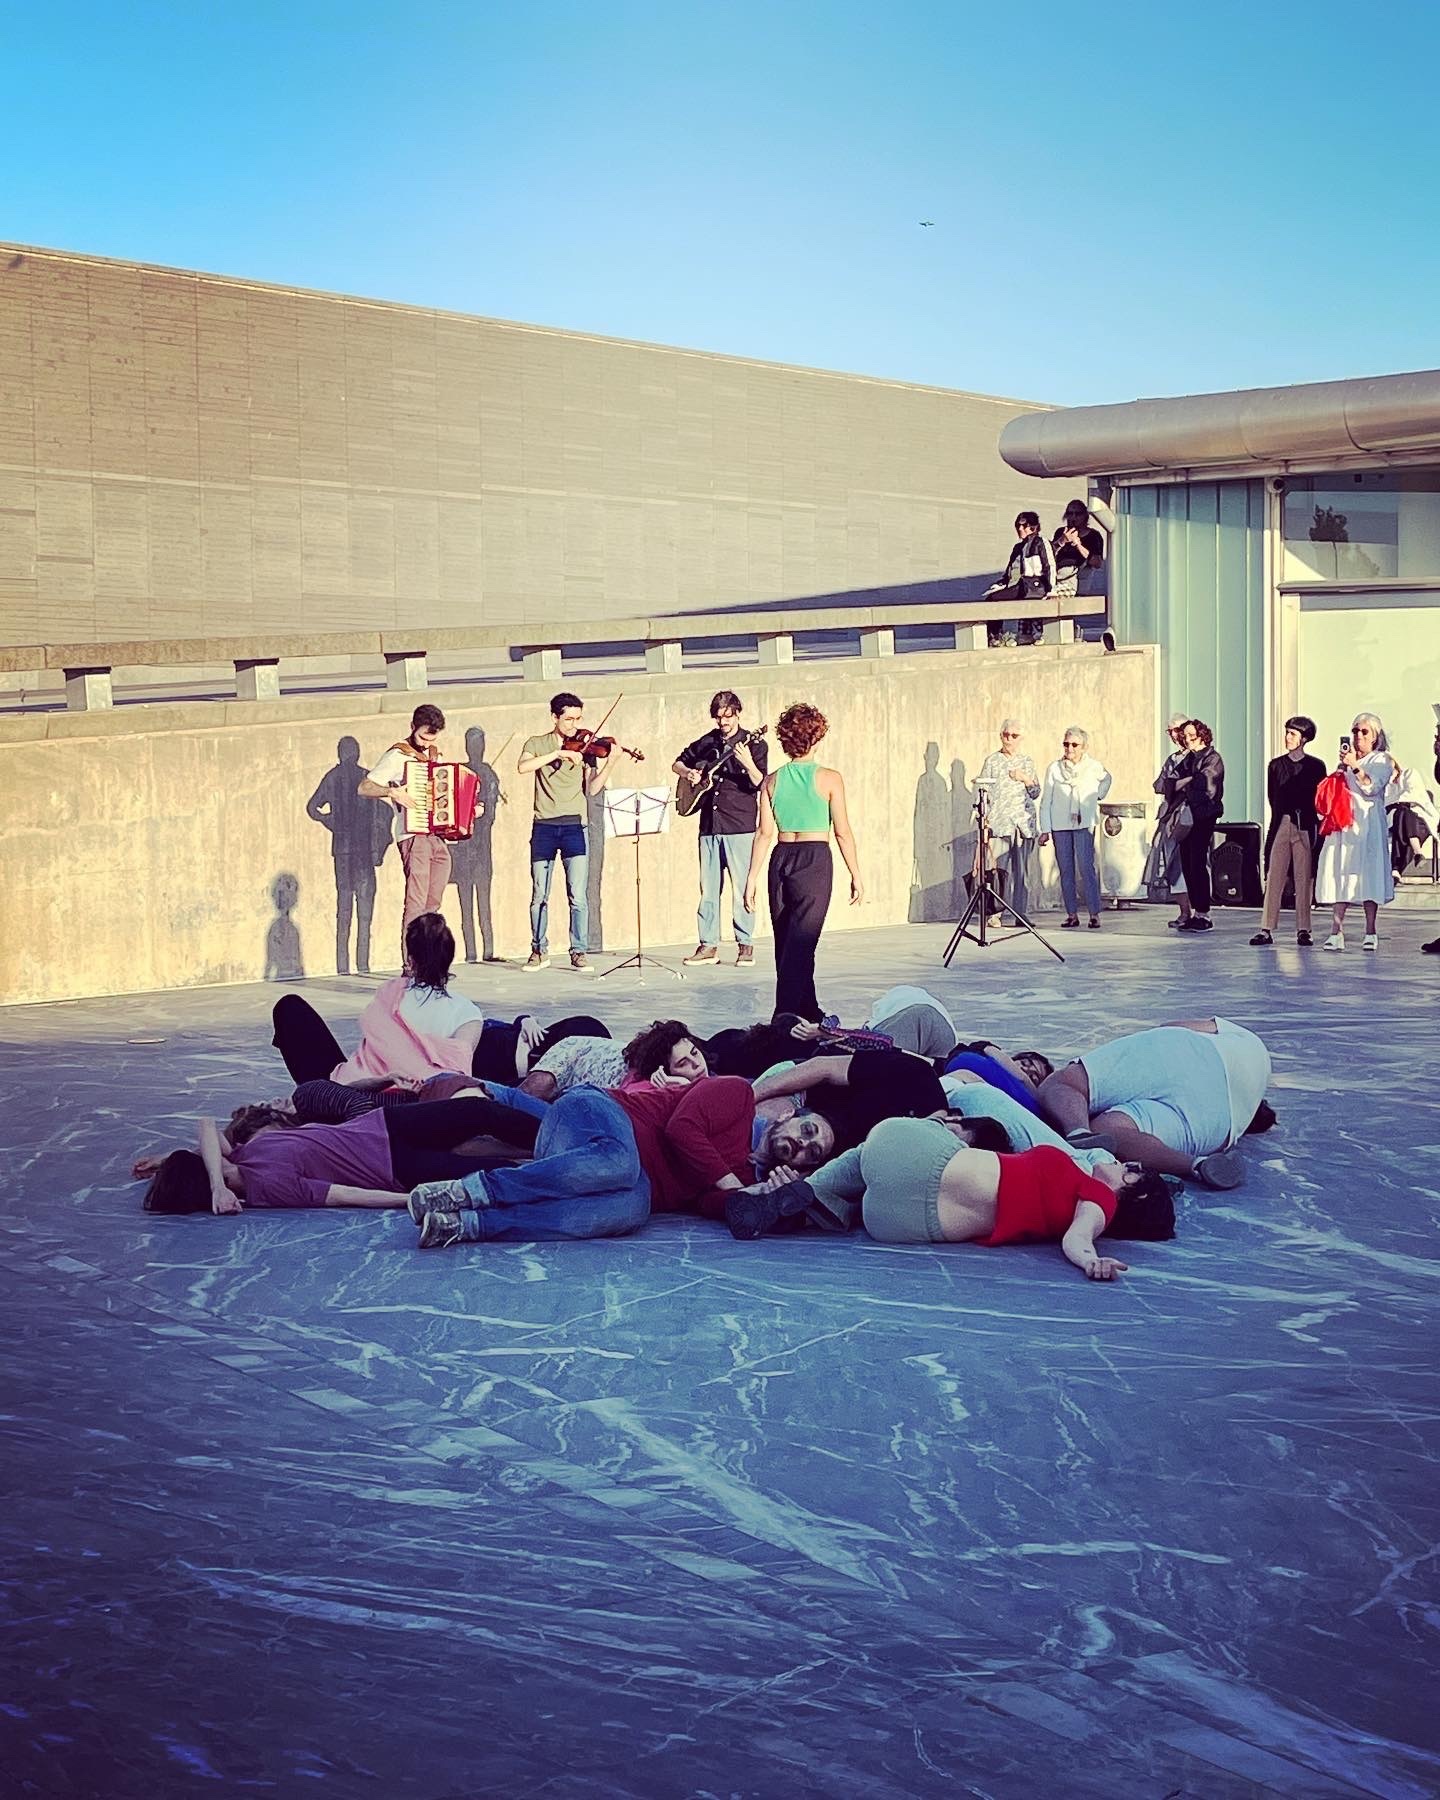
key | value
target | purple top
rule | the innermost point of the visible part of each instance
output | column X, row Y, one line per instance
column 298, row 1168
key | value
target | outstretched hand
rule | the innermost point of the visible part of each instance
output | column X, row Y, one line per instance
column 1104, row 1268
column 144, row 1167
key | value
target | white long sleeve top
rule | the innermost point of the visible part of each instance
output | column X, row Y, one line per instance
column 1071, row 794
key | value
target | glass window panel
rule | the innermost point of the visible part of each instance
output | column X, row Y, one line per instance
column 1367, row 527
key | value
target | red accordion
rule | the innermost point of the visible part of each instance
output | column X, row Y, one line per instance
column 440, row 799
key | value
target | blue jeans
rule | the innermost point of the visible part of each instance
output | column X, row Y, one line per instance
column 1072, row 847
column 727, row 852
column 565, row 838
column 586, row 1180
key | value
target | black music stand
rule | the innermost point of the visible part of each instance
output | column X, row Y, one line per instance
column 986, row 890
column 638, row 813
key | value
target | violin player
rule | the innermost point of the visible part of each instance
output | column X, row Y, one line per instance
column 569, row 764
column 734, row 763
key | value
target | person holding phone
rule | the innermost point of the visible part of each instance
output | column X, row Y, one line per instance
column 1355, row 860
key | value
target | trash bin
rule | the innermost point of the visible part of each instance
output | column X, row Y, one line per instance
column 1235, row 864
column 1125, row 834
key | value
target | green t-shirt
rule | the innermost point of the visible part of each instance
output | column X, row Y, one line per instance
column 559, row 786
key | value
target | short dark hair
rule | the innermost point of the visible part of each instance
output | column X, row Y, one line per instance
column 652, row 1048
column 559, row 703
column 1040, row 1057
column 180, row 1185
column 1028, row 518
column 1264, row 1120
column 1144, row 1210
column 725, row 701
column 430, row 950
column 427, row 718
column 1076, row 506
column 1306, row 727
column 989, row 1134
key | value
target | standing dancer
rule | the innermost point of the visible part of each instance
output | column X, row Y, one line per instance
column 729, row 812
column 802, row 803
column 426, row 860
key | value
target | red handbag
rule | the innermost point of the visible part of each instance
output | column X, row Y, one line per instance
column 1334, row 805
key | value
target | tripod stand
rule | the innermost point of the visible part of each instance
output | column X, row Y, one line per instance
column 638, row 813
column 987, row 891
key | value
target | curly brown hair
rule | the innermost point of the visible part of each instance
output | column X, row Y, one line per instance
column 800, row 728
column 652, row 1048
column 1202, row 731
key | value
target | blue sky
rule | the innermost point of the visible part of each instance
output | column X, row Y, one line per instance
column 1143, row 200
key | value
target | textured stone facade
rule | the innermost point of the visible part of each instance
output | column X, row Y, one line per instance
column 186, row 454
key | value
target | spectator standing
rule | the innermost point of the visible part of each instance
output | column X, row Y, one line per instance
column 1291, row 781
column 1014, row 789
column 1075, row 784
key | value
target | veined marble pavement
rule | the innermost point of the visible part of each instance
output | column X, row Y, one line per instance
column 293, row 1507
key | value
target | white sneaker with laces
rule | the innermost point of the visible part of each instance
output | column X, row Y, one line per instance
column 1371, row 941
column 1335, row 941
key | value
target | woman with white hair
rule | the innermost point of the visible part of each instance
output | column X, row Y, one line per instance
column 1008, row 776
column 1355, row 858
column 1075, row 784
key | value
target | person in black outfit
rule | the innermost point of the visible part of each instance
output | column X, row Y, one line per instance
column 729, row 813
column 1076, row 545
column 1200, row 785
column 1291, row 781
column 1433, row 947
column 1029, row 574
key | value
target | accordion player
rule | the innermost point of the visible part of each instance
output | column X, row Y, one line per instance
column 440, row 799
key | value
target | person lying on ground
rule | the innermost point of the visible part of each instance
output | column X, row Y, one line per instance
column 920, row 1181
column 854, row 1093
column 665, row 1054
column 604, row 1160
column 371, row 1161
column 1177, row 1099
column 1019, row 1074
column 975, row 1099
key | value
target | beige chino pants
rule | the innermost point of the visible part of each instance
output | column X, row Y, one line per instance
column 1291, row 848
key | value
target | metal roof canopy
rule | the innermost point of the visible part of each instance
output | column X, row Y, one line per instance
column 1253, row 429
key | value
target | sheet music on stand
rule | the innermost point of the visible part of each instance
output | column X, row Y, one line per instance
column 637, row 813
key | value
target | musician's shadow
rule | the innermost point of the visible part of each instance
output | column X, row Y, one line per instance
column 472, row 863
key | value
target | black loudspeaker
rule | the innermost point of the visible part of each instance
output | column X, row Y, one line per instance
column 1235, row 865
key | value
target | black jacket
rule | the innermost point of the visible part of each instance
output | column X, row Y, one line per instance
column 1291, row 787
column 1201, row 786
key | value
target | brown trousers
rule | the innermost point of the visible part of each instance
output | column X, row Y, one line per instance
column 1291, row 846
column 426, row 862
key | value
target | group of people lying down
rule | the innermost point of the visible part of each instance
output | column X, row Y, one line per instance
column 495, row 1130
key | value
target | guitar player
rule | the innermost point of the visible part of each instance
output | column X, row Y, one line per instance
column 728, row 816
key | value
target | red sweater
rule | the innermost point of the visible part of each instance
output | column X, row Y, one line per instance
column 1036, row 1199
column 689, row 1137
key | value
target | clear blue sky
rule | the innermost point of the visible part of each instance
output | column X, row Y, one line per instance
column 1166, row 200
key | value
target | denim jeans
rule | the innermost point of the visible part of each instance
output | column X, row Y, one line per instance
column 586, row 1180
column 722, row 854
column 1072, row 849
column 565, row 838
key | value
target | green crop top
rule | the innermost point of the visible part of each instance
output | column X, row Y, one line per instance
column 797, row 806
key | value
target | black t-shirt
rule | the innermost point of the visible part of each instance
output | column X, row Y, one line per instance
column 883, row 1084
column 732, row 805
column 1068, row 558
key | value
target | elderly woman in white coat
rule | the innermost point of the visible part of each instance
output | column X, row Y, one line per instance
column 1355, row 862
column 1070, row 797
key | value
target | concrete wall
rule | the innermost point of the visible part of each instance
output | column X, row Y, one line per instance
column 187, row 455
column 159, row 847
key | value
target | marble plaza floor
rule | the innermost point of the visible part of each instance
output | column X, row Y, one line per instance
column 294, row 1508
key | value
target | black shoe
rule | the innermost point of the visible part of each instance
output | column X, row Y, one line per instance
column 1196, row 923
column 1263, row 937
column 750, row 1214
column 1094, row 923
column 1303, row 939
column 1070, row 924
column 1432, row 948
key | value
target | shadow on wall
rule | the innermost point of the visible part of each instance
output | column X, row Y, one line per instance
column 359, row 837
column 472, row 864
column 942, row 842
column 284, row 959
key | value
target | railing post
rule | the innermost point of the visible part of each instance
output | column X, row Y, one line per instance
column 1058, row 631
column 971, row 637
column 772, row 651
column 405, row 670
column 88, row 690
column 878, row 640
column 663, row 659
column 258, row 678
column 540, row 665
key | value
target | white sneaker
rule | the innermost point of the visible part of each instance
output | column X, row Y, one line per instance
column 1335, row 941
column 1371, row 941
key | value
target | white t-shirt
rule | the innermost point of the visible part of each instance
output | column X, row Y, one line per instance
column 437, row 1015
column 1247, row 1072
column 391, row 767
column 584, row 1062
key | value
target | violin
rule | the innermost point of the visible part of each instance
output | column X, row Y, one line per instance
column 595, row 748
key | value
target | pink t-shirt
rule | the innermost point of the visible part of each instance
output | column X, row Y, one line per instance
column 298, row 1168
